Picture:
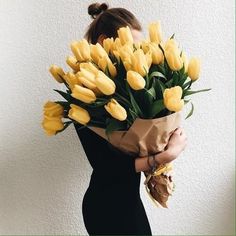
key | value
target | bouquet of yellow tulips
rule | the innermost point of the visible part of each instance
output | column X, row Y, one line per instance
column 129, row 93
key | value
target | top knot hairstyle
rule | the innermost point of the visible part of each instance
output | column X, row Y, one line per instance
column 107, row 21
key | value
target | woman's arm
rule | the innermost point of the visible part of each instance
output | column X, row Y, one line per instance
column 175, row 146
column 141, row 163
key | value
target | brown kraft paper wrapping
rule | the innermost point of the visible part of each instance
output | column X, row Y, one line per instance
column 146, row 137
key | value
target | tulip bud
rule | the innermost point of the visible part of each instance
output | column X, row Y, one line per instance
column 116, row 45
column 87, row 78
column 117, row 55
column 116, row 110
column 72, row 62
column 172, row 98
column 81, row 50
column 57, row 72
column 145, row 46
column 185, row 61
column 79, row 114
column 52, row 109
column 83, row 94
column 139, row 62
column 155, row 32
column 107, row 44
column 104, row 63
column 89, row 66
column 173, row 58
column 157, row 55
column 97, row 52
column 125, row 35
column 135, row 80
column 148, row 56
column 71, row 79
column 104, row 83
column 52, row 124
column 127, row 65
column 170, row 43
column 194, row 68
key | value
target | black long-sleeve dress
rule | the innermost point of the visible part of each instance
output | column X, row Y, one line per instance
column 112, row 203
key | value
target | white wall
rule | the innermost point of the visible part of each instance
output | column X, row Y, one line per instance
column 43, row 180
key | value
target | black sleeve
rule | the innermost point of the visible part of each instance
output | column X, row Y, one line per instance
column 103, row 156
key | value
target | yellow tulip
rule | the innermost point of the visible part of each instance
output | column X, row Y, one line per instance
column 125, row 35
column 57, row 72
column 81, row 50
column 135, row 80
column 71, row 79
column 108, row 44
column 87, row 78
column 116, row 45
column 173, row 58
column 155, row 32
column 139, row 62
column 145, row 46
column 79, row 114
column 170, row 43
column 117, row 55
column 127, row 65
column 89, row 66
column 124, row 52
column 185, row 61
column 148, row 56
column 157, row 55
column 52, row 109
column 83, row 94
column 116, row 110
column 194, row 68
column 52, row 124
column 172, row 98
column 72, row 62
column 104, row 83
column 97, row 52
column 175, row 91
column 105, row 62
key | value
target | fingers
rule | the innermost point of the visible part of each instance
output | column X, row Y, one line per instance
column 181, row 132
column 178, row 131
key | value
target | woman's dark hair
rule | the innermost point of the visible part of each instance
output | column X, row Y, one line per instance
column 107, row 21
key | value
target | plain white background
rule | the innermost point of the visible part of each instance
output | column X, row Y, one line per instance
column 43, row 180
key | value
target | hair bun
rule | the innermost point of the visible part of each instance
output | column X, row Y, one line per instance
column 97, row 8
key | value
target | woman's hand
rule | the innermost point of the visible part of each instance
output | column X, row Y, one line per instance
column 176, row 144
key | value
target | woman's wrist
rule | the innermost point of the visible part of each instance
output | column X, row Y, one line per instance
column 163, row 157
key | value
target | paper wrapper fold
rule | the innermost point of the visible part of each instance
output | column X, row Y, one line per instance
column 146, row 137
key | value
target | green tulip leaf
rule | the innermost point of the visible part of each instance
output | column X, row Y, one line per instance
column 191, row 111
column 67, row 96
column 133, row 102
column 133, row 114
column 151, row 92
column 189, row 92
column 186, row 101
column 157, row 107
column 66, row 124
column 162, row 85
column 187, row 85
column 175, row 79
column 157, row 74
column 172, row 36
column 113, row 125
column 64, row 104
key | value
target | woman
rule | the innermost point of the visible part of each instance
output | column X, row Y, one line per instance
column 112, row 203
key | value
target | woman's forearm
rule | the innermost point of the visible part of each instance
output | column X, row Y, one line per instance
column 141, row 163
